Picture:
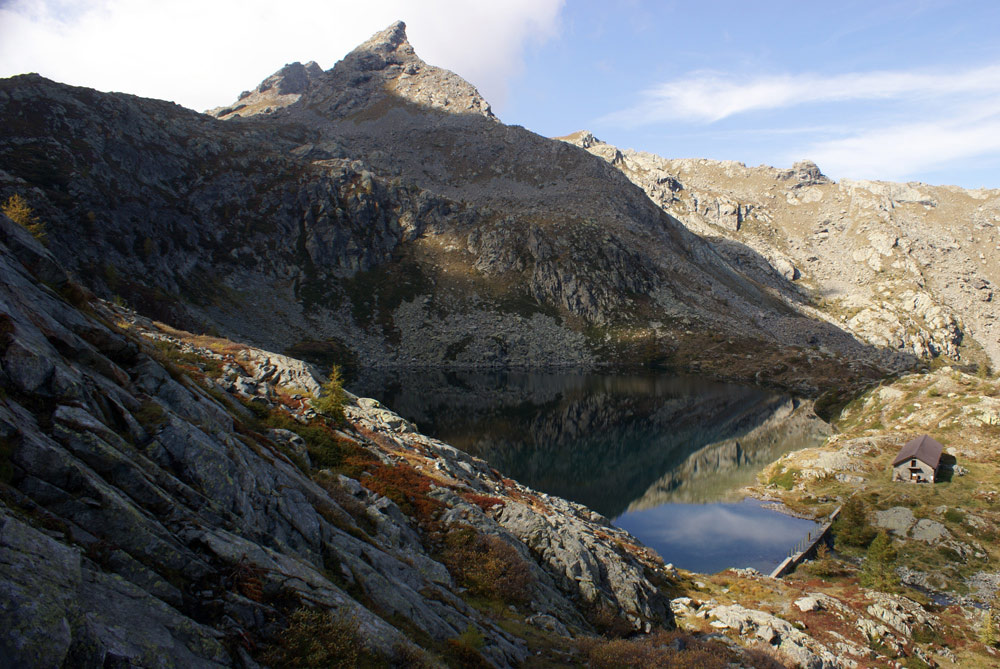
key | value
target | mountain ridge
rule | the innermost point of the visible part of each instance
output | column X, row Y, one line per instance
column 885, row 260
column 389, row 228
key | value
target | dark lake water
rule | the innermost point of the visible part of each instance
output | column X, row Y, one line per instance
column 663, row 456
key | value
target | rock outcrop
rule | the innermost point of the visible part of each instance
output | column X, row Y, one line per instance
column 147, row 516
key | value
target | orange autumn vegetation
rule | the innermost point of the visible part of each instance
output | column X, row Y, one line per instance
column 487, row 565
column 405, row 486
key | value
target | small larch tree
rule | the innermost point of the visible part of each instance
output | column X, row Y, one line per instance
column 16, row 209
column 330, row 402
column 988, row 627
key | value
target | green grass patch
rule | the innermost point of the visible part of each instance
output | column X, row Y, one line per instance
column 784, row 478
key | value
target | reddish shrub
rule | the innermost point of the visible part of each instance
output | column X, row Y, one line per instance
column 405, row 486
column 484, row 502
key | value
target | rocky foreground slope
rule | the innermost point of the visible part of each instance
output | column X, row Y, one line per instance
column 380, row 211
column 151, row 519
column 911, row 267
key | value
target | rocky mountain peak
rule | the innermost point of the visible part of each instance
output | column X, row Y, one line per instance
column 387, row 63
column 384, row 65
column 383, row 50
column 391, row 40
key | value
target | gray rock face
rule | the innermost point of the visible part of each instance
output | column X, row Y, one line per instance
column 897, row 520
column 802, row 648
column 144, row 523
column 281, row 89
column 930, row 531
column 805, row 173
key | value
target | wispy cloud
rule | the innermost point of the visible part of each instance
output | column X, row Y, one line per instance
column 946, row 116
column 897, row 152
column 709, row 96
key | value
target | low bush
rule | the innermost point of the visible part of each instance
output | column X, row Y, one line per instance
column 465, row 649
column 484, row 502
column 608, row 620
column 671, row 649
column 405, row 486
column 487, row 565
column 954, row 516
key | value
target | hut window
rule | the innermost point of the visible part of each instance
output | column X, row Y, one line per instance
column 913, row 462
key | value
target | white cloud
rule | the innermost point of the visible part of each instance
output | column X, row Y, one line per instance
column 202, row 53
column 709, row 97
column 896, row 153
column 684, row 524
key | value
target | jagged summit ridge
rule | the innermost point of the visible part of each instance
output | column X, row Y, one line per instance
column 384, row 65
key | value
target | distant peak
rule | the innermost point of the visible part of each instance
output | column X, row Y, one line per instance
column 582, row 138
column 281, row 89
column 805, row 173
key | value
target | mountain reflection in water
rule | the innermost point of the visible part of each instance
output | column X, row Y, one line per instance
column 621, row 443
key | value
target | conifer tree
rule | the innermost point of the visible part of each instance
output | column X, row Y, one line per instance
column 852, row 527
column 17, row 210
column 879, row 569
column 330, row 403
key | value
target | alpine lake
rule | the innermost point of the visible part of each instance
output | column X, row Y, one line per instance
column 664, row 457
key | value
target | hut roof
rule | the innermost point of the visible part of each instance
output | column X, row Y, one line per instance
column 922, row 448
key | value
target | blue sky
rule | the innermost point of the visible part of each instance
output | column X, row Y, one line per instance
column 877, row 89
column 912, row 88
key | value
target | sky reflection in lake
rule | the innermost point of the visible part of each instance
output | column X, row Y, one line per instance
column 665, row 455
column 711, row 537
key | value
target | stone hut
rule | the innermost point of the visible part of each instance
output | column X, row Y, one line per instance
column 917, row 461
